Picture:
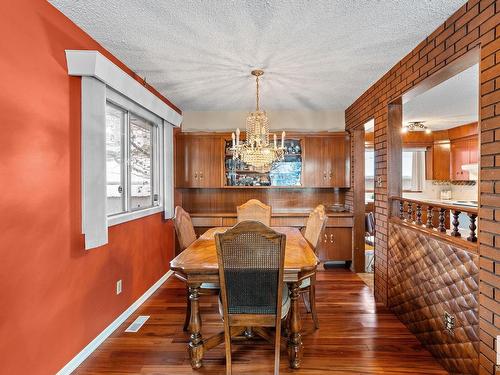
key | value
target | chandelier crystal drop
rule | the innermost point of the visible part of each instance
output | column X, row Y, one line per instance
column 257, row 150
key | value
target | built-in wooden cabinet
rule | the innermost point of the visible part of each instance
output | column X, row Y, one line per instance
column 198, row 161
column 327, row 161
column 335, row 244
column 463, row 151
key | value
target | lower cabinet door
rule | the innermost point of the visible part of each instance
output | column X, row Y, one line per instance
column 336, row 244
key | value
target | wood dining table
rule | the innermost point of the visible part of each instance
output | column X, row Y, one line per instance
column 198, row 264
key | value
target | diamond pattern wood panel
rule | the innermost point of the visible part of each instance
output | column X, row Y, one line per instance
column 427, row 278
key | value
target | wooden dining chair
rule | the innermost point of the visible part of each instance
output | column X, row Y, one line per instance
column 315, row 226
column 251, row 259
column 254, row 210
column 186, row 236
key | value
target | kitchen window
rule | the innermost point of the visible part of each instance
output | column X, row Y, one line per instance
column 413, row 169
column 369, row 169
column 132, row 161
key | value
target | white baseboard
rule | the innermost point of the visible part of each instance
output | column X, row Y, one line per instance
column 94, row 344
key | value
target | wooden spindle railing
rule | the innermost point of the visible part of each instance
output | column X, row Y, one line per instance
column 410, row 211
column 442, row 219
column 455, row 232
column 472, row 235
column 429, row 223
column 421, row 214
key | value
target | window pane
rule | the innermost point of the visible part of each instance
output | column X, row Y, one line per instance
column 141, row 163
column 115, row 118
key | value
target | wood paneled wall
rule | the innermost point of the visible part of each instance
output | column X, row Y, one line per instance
column 226, row 200
column 472, row 29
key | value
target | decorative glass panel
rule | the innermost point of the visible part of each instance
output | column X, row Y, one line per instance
column 286, row 172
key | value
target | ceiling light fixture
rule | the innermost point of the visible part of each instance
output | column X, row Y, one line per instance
column 415, row 126
column 256, row 150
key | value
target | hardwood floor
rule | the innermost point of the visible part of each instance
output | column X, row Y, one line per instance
column 356, row 336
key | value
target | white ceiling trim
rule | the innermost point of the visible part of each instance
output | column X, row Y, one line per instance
column 86, row 63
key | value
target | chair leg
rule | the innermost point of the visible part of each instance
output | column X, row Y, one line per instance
column 277, row 347
column 312, row 301
column 188, row 312
column 227, row 343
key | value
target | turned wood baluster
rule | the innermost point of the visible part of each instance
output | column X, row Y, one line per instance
column 472, row 236
column 419, row 214
column 429, row 218
column 410, row 212
column 455, row 232
column 442, row 219
column 401, row 210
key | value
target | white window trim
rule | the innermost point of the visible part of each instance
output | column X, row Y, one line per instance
column 103, row 80
column 84, row 63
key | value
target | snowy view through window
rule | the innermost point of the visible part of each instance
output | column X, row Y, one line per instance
column 137, row 171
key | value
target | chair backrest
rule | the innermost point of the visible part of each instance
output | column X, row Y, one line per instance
column 369, row 223
column 184, row 228
column 315, row 225
column 254, row 210
column 251, row 261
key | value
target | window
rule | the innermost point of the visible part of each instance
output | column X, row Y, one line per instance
column 132, row 160
column 369, row 169
column 413, row 169
column 127, row 147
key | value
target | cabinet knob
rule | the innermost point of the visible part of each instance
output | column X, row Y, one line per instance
column 331, row 238
column 201, row 174
column 326, row 237
column 196, row 175
column 324, row 175
column 331, row 174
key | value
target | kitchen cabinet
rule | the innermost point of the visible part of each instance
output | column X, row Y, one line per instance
column 335, row 245
column 327, row 161
column 198, row 161
column 438, row 162
column 463, row 151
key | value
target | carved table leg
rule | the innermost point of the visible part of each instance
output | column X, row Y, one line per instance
column 195, row 339
column 294, row 338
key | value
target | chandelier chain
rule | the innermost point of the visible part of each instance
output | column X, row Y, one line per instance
column 257, row 95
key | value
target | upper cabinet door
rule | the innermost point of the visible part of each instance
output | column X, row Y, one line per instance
column 315, row 168
column 209, row 161
column 198, row 162
column 327, row 161
column 473, row 150
column 459, row 156
column 440, row 162
column 339, row 160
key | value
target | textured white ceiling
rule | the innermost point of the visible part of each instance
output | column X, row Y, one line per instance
column 452, row 103
column 318, row 54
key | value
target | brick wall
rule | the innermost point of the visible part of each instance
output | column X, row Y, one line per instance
column 474, row 24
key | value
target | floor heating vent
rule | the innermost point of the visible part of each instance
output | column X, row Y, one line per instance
column 138, row 323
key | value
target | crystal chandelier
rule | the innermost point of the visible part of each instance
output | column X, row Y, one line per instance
column 256, row 150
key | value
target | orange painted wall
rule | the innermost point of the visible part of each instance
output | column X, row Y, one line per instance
column 55, row 297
